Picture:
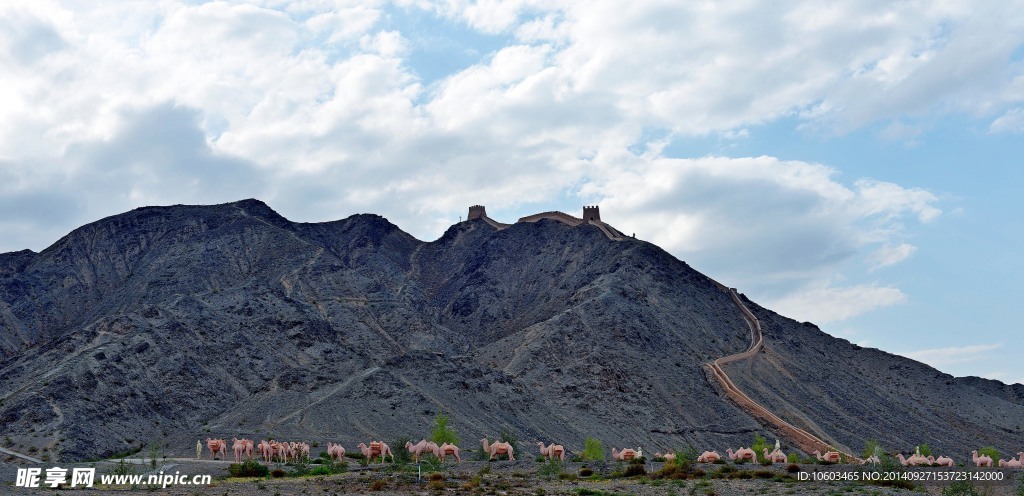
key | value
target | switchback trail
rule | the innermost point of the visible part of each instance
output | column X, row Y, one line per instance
column 802, row 439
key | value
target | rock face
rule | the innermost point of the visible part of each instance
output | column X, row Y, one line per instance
column 168, row 324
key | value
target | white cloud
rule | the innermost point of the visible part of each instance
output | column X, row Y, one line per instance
column 890, row 255
column 940, row 357
column 1010, row 122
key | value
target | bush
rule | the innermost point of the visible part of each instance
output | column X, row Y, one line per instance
column 793, row 457
column 960, row 488
column 321, row 471
column 593, row 450
column 436, row 485
column 926, row 451
column 586, row 472
column 378, row 485
column 278, row 473
column 633, row 470
column 248, row 468
column 549, row 469
column 991, row 452
column 792, row 468
column 436, row 476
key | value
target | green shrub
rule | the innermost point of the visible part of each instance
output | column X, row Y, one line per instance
column 925, row 450
column 870, row 447
column 322, row 470
column 633, row 470
column 586, row 472
column 593, row 450
column 278, row 473
column 248, row 468
column 960, row 488
column 793, row 457
column 378, row 485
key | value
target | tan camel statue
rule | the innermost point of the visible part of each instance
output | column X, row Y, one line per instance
column 981, row 461
column 335, row 451
column 442, row 452
column 217, row 446
column 498, row 448
column 1011, row 463
column 248, row 448
column 238, row 447
column 552, row 451
column 417, row 449
column 626, row 454
column 709, row 457
column 377, row 448
column 830, row 456
column 776, row 456
column 742, row 454
column 667, row 456
column 944, row 461
column 266, row 452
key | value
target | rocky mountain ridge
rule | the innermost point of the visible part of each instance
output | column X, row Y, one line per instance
column 167, row 324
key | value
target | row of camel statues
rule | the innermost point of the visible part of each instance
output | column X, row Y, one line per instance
column 271, row 451
column 274, row 451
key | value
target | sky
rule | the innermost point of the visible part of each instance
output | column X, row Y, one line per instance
column 858, row 165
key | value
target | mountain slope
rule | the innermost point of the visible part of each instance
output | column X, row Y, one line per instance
column 167, row 324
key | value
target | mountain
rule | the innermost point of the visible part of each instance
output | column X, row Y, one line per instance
column 168, row 324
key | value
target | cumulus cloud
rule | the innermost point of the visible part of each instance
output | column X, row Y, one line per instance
column 315, row 107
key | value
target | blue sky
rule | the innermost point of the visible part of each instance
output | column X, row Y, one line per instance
column 857, row 165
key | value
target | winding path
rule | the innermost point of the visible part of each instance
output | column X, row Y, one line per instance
column 19, row 455
column 802, row 439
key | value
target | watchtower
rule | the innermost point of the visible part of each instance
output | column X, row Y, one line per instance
column 476, row 212
column 591, row 213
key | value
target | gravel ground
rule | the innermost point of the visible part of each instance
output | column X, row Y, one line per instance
column 502, row 478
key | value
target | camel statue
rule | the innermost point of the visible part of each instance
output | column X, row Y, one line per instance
column 742, row 454
column 873, row 459
column 830, row 456
column 377, row 448
column 248, row 448
column 552, row 451
column 266, row 452
column 217, row 446
column 776, row 456
column 667, row 456
column 442, row 452
column 944, row 461
column 238, row 447
column 709, row 457
column 981, row 461
column 498, row 448
column 335, row 451
column 304, row 450
column 626, row 454
column 1011, row 463
column 417, row 449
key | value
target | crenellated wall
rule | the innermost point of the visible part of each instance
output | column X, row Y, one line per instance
column 591, row 215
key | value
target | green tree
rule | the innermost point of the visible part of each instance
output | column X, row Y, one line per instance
column 991, row 452
column 592, row 450
column 870, row 447
column 925, row 450
column 442, row 433
column 508, row 437
column 760, row 444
